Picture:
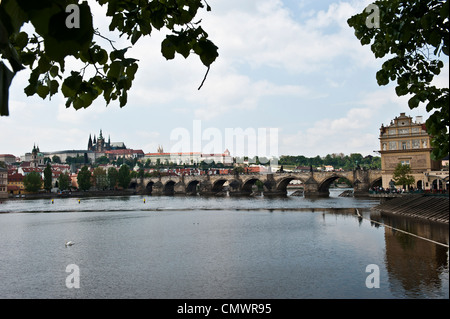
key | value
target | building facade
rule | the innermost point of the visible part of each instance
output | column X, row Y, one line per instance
column 15, row 184
column 3, row 182
column 407, row 141
column 7, row 158
column 189, row 158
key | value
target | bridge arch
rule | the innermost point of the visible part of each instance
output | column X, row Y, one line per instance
column 324, row 186
column 284, row 182
column 191, row 187
column 376, row 182
column 169, row 188
column 247, row 185
column 149, row 187
column 218, row 185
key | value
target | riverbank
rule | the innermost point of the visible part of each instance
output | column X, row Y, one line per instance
column 429, row 207
column 76, row 194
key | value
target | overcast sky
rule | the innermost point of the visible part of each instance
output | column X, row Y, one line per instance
column 294, row 67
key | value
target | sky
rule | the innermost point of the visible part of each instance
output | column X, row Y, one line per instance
column 290, row 76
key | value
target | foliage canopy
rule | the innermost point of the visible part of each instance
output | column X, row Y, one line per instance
column 414, row 34
column 58, row 36
column 402, row 175
column 32, row 182
column 84, row 178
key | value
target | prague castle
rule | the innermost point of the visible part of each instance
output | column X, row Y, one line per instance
column 99, row 144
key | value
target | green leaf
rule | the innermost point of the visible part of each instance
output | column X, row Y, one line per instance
column 44, row 64
column 78, row 103
column 183, row 47
column 54, row 71
column 87, row 99
column 21, row 40
column 42, row 91
column 168, row 48
column 101, row 56
column 131, row 70
column 401, row 90
column 435, row 38
column 123, row 98
column 382, row 77
column 118, row 54
column 71, row 84
column 53, row 86
column 135, row 37
column 28, row 58
column 207, row 51
column 413, row 102
column 115, row 69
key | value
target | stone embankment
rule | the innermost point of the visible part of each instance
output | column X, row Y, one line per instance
column 433, row 208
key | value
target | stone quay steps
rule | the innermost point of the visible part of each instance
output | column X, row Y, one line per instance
column 433, row 208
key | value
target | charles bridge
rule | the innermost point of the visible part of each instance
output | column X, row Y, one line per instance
column 315, row 184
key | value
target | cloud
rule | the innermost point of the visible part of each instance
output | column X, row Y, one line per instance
column 232, row 92
column 347, row 134
column 294, row 65
column 270, row 36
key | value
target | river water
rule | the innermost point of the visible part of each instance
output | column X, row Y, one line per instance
column 197, row 247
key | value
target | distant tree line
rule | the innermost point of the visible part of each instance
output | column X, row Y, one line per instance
column 346, row 162
column 103, row 179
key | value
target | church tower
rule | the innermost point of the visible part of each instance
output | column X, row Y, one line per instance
column 34, row 153
column 89, row 143
column 100, row 142
column 37, row 158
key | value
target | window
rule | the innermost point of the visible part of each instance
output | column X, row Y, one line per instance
column 424, row 143
column 405, row 162
column 392, row 145
column 403, row 145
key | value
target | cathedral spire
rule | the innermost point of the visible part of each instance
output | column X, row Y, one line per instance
column 90, row 143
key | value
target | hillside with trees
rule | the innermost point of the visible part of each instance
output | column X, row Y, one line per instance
column 346, row 162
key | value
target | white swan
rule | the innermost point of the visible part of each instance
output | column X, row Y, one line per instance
column 69, row 243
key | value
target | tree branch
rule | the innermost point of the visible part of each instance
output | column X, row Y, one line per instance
column 207, row 71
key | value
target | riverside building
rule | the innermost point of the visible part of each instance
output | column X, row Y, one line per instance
column 407, row 141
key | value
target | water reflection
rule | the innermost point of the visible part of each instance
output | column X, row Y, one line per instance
column 415, row 263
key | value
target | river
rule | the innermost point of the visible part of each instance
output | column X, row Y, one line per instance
column 197, row 247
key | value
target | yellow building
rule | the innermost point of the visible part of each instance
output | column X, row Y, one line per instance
column 406, row 141
column 15, row 184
